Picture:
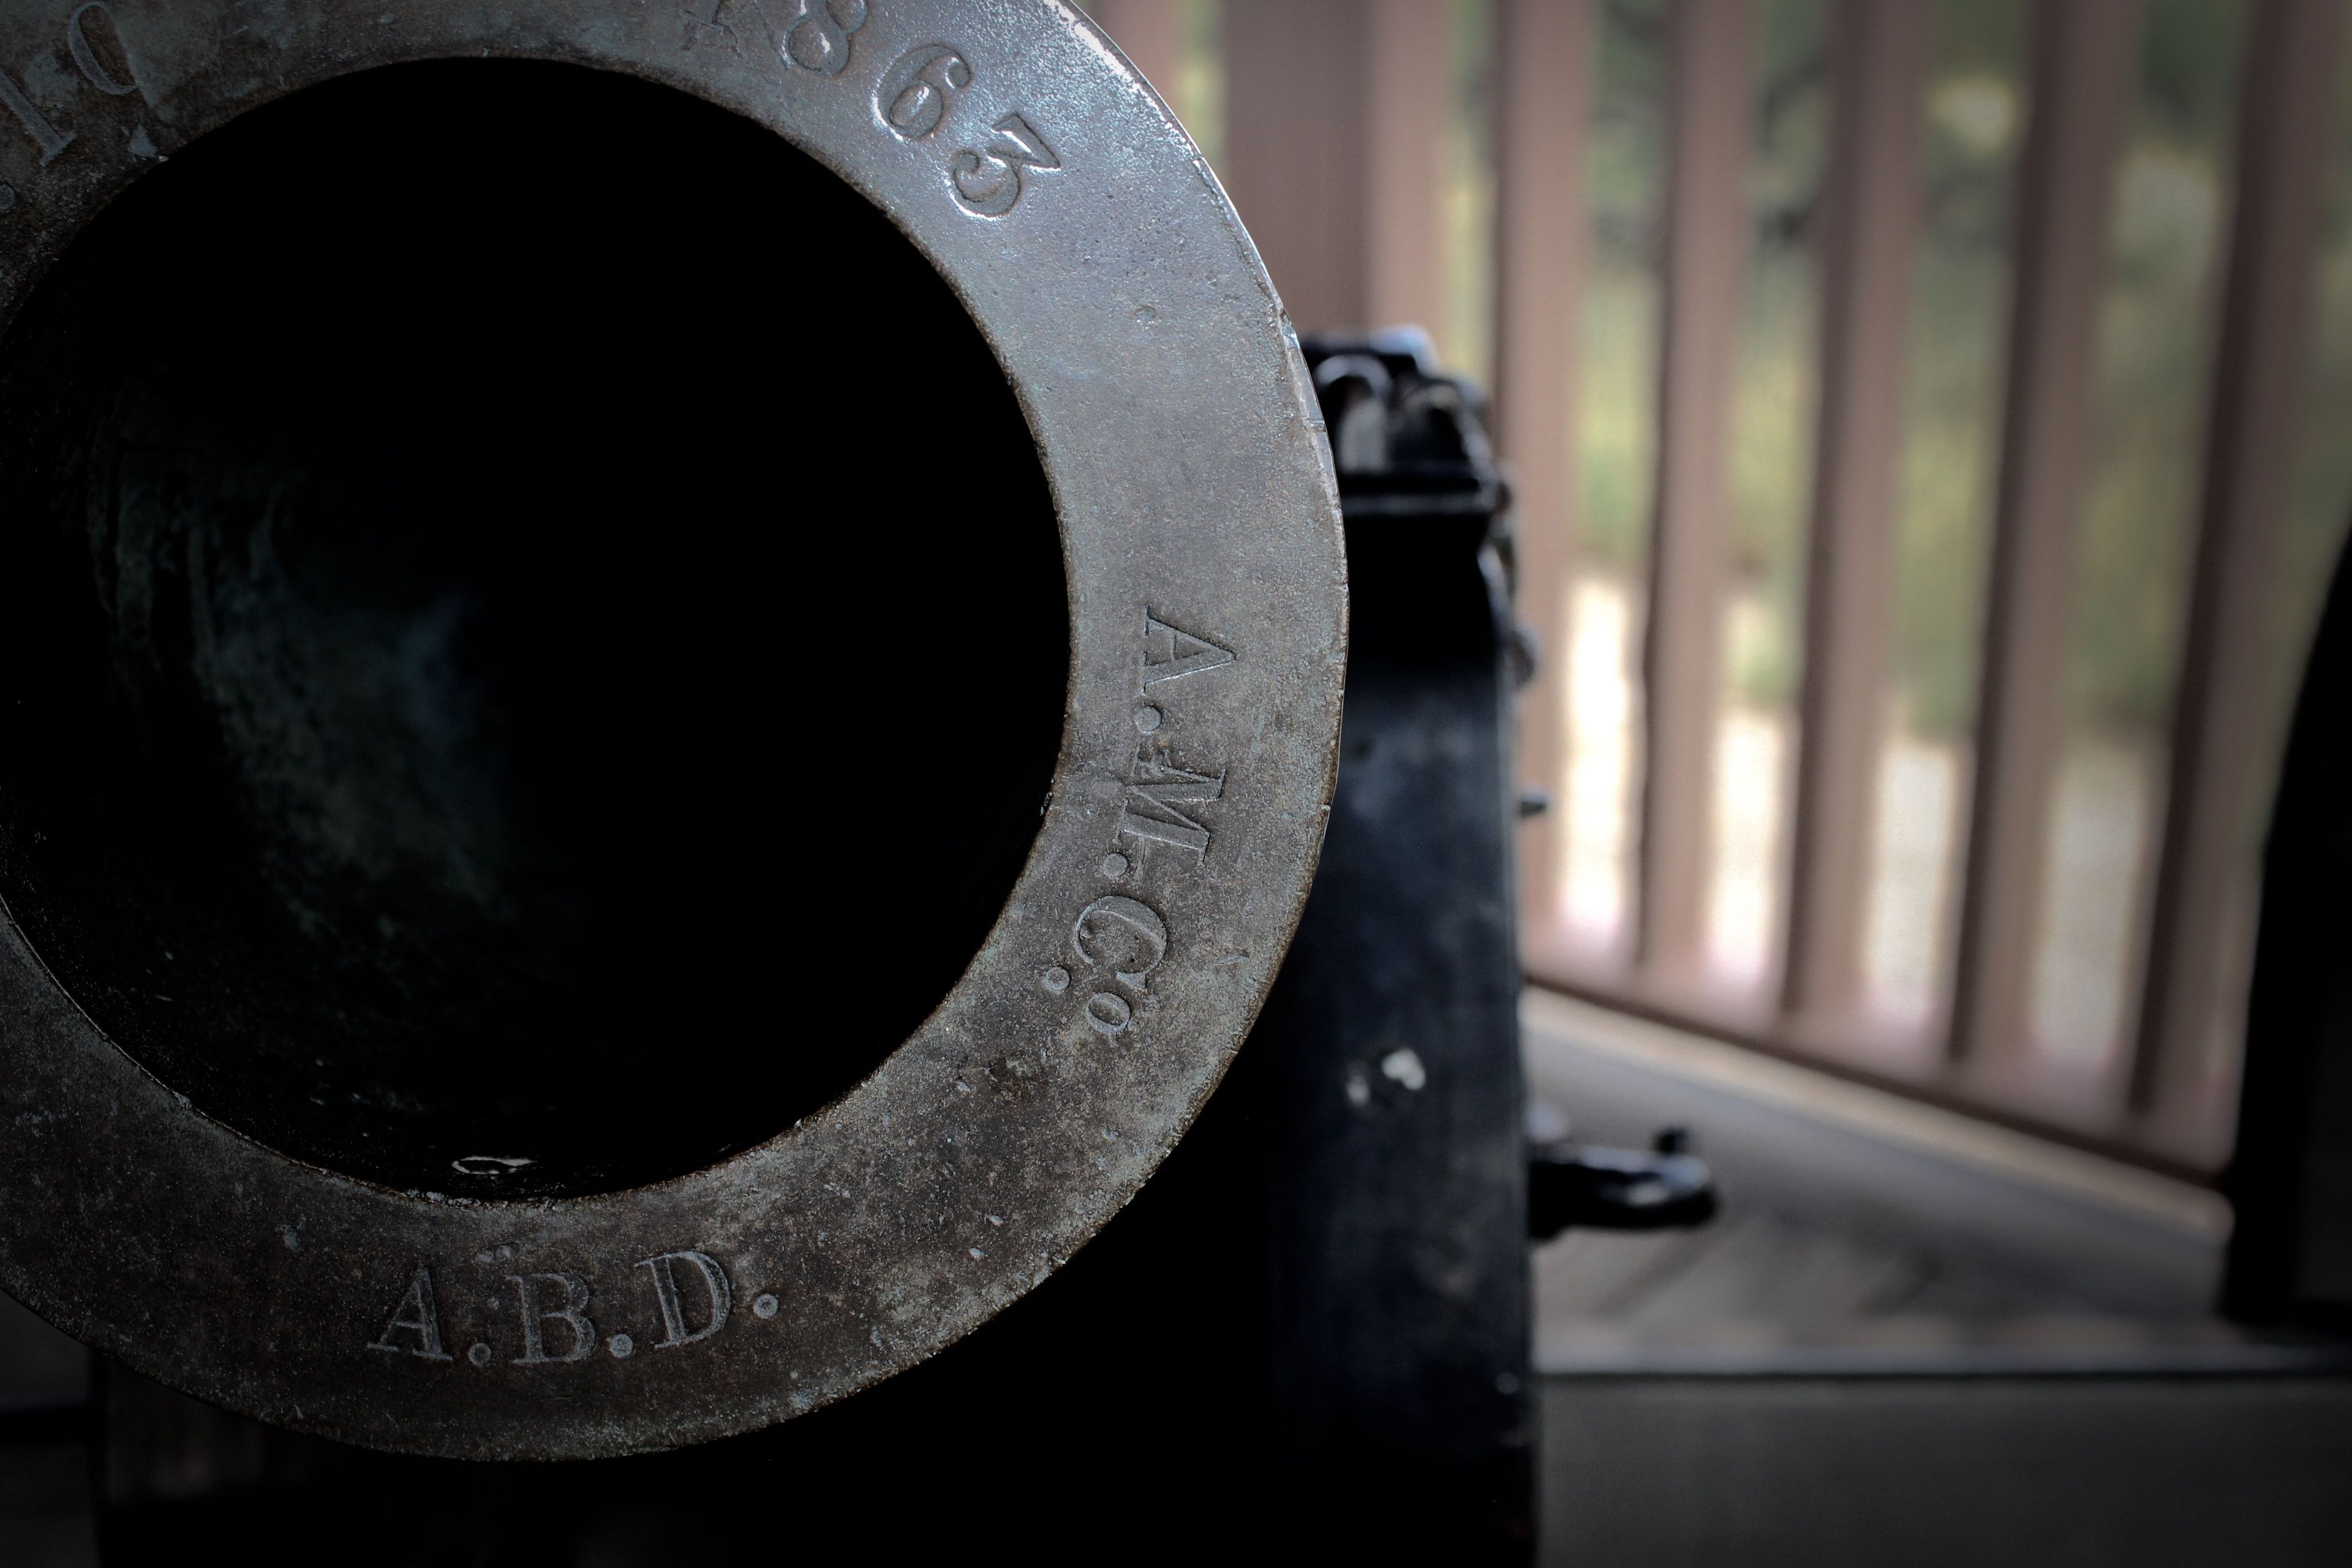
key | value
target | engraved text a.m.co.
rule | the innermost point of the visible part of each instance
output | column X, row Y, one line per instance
column 1118, row 933
column 1126, row 937
column 1170, row 650
column 1157, row 793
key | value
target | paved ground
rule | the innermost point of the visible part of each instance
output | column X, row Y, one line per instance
column 1909, row 1340
column 2035, row 1472
column 1860, row 1230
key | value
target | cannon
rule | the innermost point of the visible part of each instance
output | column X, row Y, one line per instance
column 673, row 675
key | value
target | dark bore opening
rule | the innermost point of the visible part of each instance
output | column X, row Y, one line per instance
column 534, row 629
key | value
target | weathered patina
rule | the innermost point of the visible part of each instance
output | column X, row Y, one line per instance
column 1080, row 229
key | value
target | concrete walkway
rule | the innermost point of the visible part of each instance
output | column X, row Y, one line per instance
column 1909, row 1338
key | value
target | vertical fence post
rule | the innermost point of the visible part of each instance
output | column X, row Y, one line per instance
column 1150, row 33
column 2084, row 58
column 1335, row 120
column 1543, row 74
column 1878, row 50
column 1295, row 158
column 1409, row 69
column 1710, row 47
column 2284, row 148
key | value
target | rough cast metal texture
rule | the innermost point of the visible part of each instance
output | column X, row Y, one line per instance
column 1080, row 228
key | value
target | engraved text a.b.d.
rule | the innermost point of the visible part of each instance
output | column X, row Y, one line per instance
column 715, row 1283
column 537, row 1315
column 416, row 1315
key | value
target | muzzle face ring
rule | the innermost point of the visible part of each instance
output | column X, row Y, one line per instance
column 1201, row 546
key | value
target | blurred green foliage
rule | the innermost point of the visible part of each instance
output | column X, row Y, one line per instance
column 2168, row 236
column 2167, row 239
column 1199, row 98
column 1617, row 400
column 1465, row 336
column 2165, row 245
column 1775, row 390
column 2316, row 517
column 1975, row 124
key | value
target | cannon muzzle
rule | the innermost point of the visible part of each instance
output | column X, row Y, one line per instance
column 671, row 677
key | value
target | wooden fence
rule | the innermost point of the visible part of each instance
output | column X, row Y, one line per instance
column 1333, row 112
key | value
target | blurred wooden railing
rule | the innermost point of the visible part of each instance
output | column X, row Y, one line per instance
column 1331, row 141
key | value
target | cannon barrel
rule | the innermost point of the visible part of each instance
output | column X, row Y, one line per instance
column 672, row 678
